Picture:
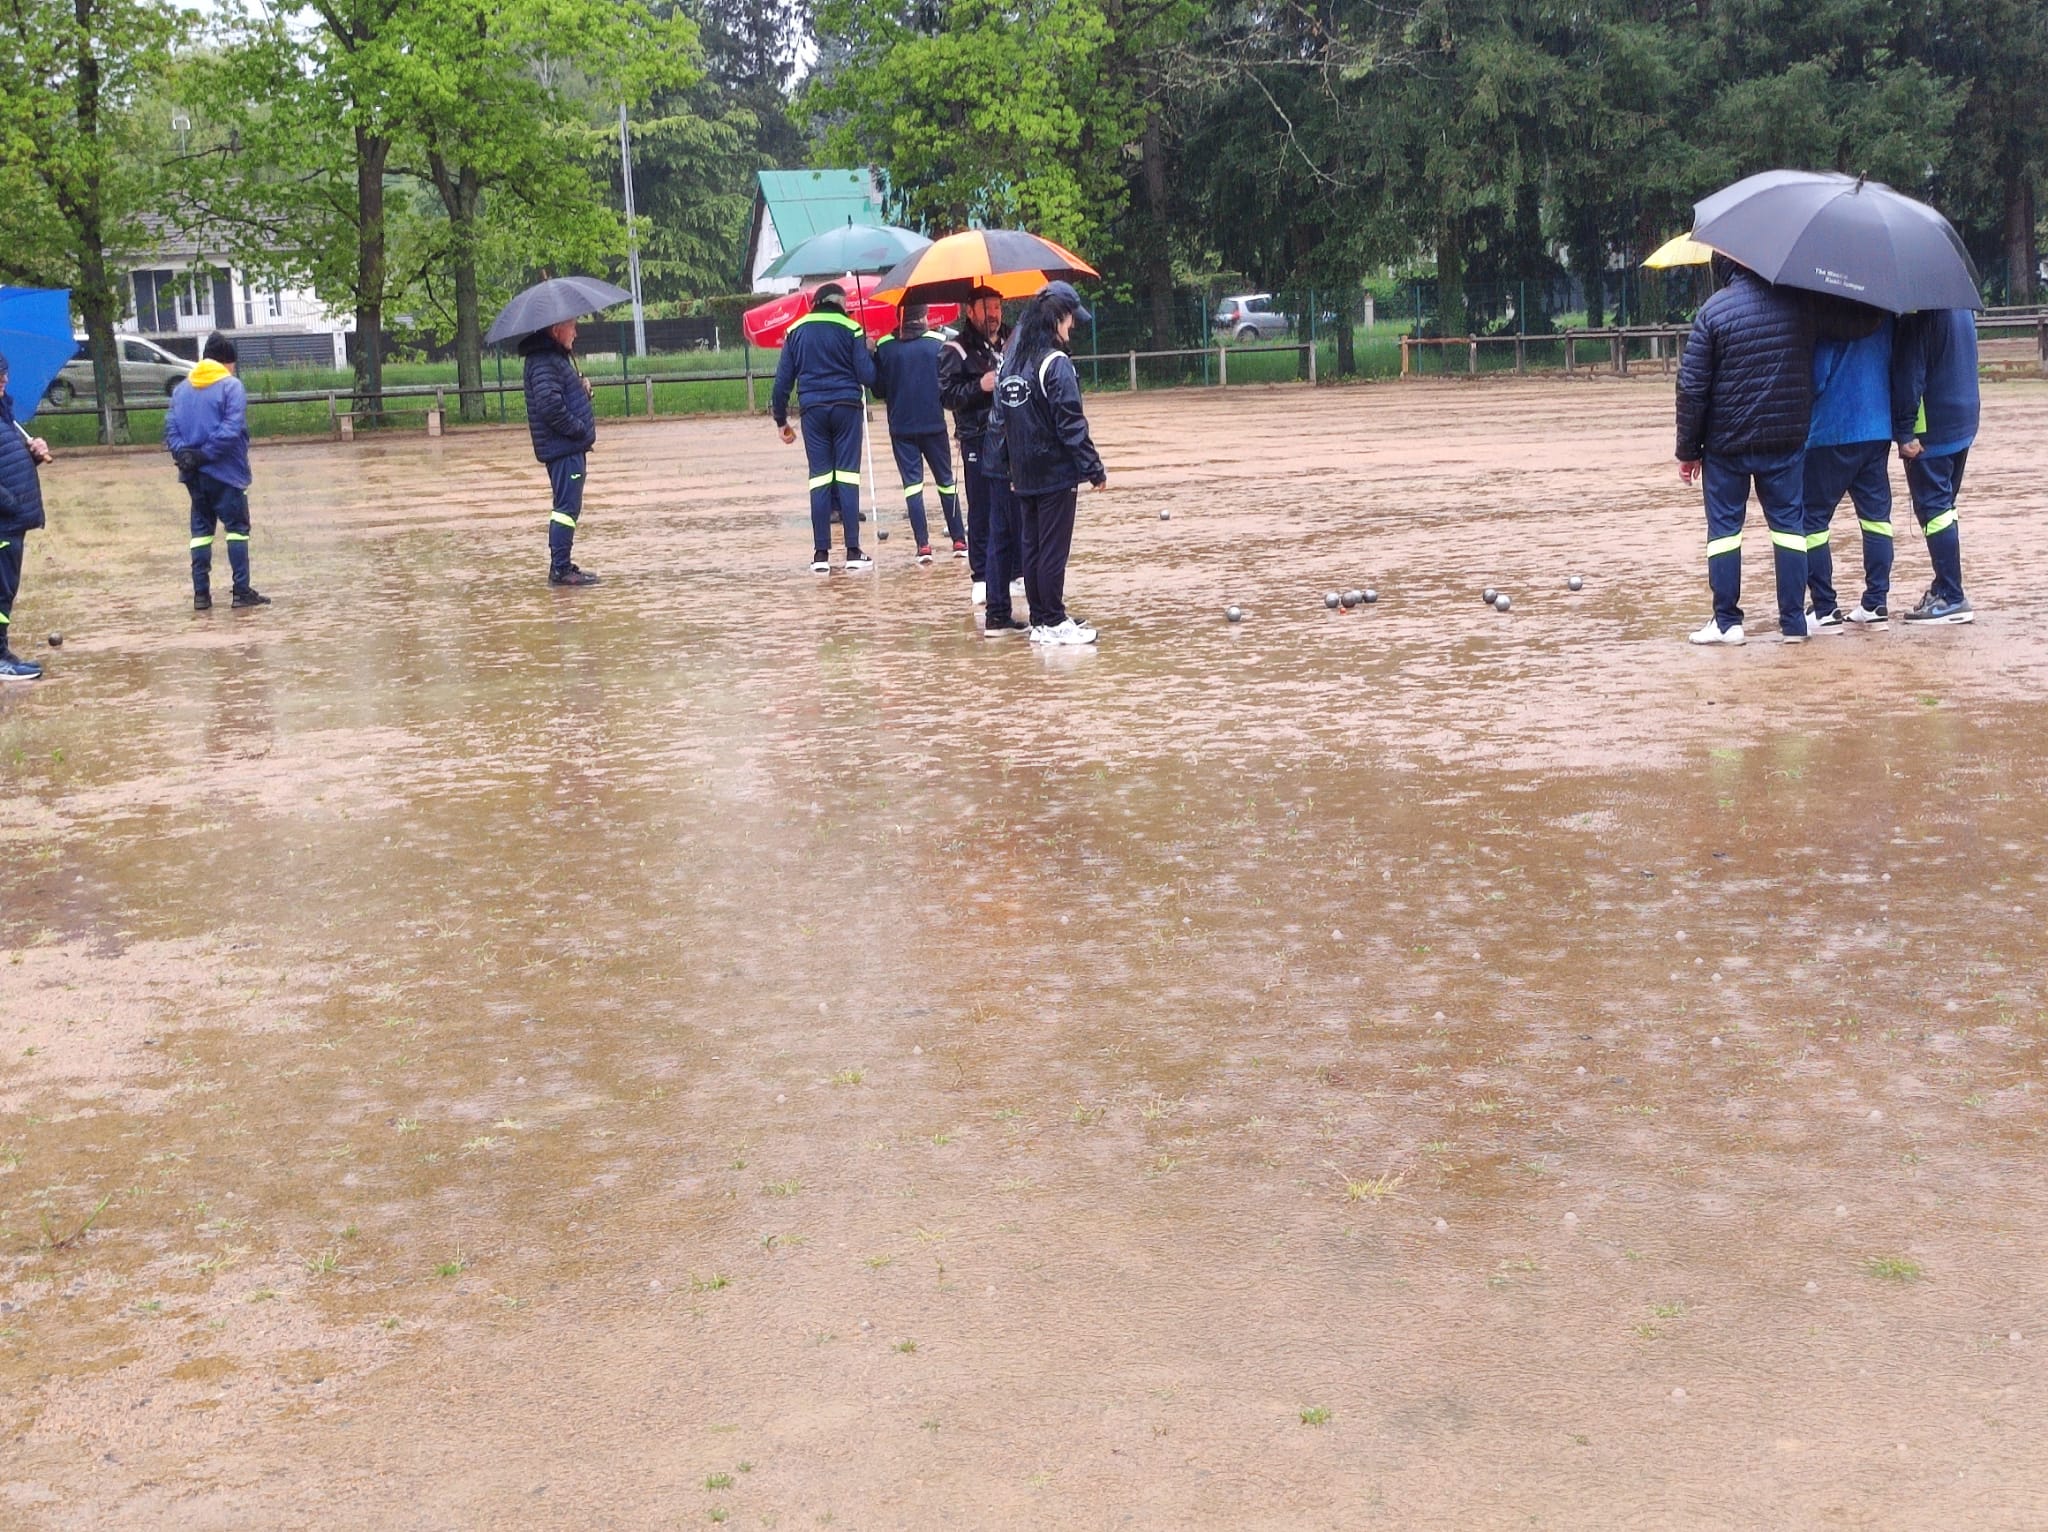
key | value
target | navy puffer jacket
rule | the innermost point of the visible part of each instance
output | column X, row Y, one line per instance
column 21, row 490
column 558, row 409
column 1746, row 384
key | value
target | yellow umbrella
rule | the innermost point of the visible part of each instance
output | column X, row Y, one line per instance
column 1682, row 251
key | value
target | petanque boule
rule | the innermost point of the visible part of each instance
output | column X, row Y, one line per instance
column 1349, row 599
column 882, row 533
column 1331, row 601
column 1575, row 583
column 1488, row 594
column 1369, row 595
column 1165, row 515
column 56, row 640
column 1501, row 603
column 1234, row 613
column 1354, row 598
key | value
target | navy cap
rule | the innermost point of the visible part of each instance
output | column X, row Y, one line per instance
column 829, row 295
column 1064, row 291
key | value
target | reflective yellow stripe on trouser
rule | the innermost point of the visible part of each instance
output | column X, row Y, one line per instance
column 846, row 476
column 1942, row 522
column 820, row 480
column 1875, row 528
column 1815, row 540
column 1716, row 546
column 202, row 542
column 236, row 537
column 564, row 519
column 1796, row 541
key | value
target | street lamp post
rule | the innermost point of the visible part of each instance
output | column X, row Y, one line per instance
column 632, row 237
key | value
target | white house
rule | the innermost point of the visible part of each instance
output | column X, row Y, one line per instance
column 185, row 286
column 792, row 205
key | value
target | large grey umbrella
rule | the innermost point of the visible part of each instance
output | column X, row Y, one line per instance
column 1831, row 233
column 551, row 302
column 855, row 247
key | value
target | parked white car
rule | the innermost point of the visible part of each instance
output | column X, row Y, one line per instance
column 146, row 368
column 1251, row 317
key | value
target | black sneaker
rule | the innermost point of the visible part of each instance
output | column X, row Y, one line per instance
column 857, row 558
column 996, row 627
column 821, row 561
column 571, row 576
column 202, row 601
column 248, row 595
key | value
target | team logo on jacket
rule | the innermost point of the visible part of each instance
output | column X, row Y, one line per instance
column 1014, row 391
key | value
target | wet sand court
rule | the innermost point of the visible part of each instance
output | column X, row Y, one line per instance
column 734, row 1045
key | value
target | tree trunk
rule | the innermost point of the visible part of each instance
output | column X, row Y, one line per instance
column 371, row 153
column 101, row 306
column 1158, row 263
column 2022, row 252
column 1591, row 260
column 97, row 300
column 1451, row 313
column 462, row 196
column 1347, row 349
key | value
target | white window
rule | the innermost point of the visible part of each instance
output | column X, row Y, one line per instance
column 203, row 286
column 276, row 303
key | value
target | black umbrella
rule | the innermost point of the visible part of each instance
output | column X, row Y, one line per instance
column 551, row 302
column 1840, row 234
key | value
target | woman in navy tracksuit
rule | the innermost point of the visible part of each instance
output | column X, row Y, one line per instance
column 1048, row 453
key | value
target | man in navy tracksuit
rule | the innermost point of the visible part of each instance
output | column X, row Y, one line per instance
column 564, row 429
column 1934, row 421
column 907, row 376
column 1745, row 400
column 1849, row 451
column 207, row 432
column 21, row 512
column 967, row 383
column 825, row 358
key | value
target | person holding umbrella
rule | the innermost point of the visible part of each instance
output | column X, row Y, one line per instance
column 21, row 512
column 563, row 426
column 558, row 412
column 1048, row 454
column 825, row 359
column 907, row 376
column 1934, row 420
column 1745, row 401
column 967, row 385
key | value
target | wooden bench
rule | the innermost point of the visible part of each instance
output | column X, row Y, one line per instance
column 343, row 421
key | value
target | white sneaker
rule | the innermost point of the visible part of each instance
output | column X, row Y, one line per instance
column 980, row 593
column 860, row 560
column 1069, row 632
column 1714, row 633
column 1863, row 614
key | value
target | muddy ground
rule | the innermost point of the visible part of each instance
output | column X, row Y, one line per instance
column 733, row 1045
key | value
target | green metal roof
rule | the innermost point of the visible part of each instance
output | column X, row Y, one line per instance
column 807, row 202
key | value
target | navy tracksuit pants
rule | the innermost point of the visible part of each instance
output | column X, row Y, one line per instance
column 1048, row 539
column 12, row 551
column 912, row 453
column 1778, row 478
column 1862, row 471
column 224, row 507
column 832, row 445
column 1934, row 483
column 565, row 478
column 1001, row 549
column 979, row 487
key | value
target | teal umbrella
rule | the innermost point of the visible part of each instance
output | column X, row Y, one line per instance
column 856, row 247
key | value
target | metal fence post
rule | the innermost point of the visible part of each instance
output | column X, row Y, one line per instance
column 747, row 352
column 1134, row 370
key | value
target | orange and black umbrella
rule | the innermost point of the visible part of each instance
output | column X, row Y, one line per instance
column 1012, row 262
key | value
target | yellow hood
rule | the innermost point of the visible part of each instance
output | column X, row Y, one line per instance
column 206, row 374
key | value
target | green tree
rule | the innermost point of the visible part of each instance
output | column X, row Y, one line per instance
column 70, row 182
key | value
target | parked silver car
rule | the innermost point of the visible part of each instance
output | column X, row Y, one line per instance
column 146, row 369
column 1251, row 317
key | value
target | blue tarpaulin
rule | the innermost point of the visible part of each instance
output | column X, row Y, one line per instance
column 35, row 337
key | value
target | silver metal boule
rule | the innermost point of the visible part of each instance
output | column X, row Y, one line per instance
column 1370, row 595
column 1332, row 600
column 1166, row 515
column 1349, row 599
column 56, row 640
column 1234, row 613
column 1488, row 594
column 1501, row 602
column 1576, row 583
column 883, row 534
